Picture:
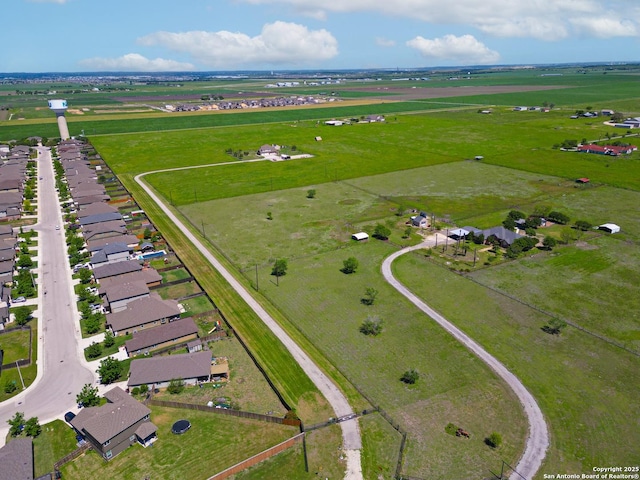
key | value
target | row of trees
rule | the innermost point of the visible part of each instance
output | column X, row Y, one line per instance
column 18, row 424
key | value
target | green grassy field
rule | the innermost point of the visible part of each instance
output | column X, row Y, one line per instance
column 581, row 383
column 56, row 440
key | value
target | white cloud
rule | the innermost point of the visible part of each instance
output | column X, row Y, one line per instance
column 541, row 19
column 384, row 42
column 605, row 27
column 134, row 62
column 460, row 50
column 278, row 43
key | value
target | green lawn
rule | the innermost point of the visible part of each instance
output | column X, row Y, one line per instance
column 178, row 291
column 56, row 440
column 232, row 439
column 17, row 348
column 15, row 344
column 247, row 389
column 173, row 275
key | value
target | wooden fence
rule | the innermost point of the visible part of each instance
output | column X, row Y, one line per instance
column 226, row 411
column 72, row 456
column 260, row 457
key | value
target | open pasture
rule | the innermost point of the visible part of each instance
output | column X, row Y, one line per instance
column 454, row 386
column 583, row 384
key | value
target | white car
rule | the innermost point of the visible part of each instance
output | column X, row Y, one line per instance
column 57, row 227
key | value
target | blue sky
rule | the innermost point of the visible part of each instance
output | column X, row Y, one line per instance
column 204, row 35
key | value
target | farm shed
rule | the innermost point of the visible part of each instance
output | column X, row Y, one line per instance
column 360, row 236
column 609, row 227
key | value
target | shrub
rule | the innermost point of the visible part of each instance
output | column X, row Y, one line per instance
column 371, row 326
column 176, row 386
column 94, row 350
column 10, row 386
column 494, row 440
column 350, row 265
column 410, row 377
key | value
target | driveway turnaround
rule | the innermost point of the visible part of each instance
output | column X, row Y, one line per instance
column 538, row 440
column 351, row 440
column 62, row 371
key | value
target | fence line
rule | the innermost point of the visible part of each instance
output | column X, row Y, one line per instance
column 224, row 411
column 18, row 363
column 260, row 457
column 72, row 456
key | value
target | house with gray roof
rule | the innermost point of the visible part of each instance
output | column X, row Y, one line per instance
column 191, row 368
column 100, row 218
column 95, row 208
column 173, row 333
column 110, row 253
column 149, row 276
column 115, row 426
column 119, row 295
column 503, row 235
column 142, row 313
column 130, row 240
column 115, row 269
column 16, row 460
column 96, row 231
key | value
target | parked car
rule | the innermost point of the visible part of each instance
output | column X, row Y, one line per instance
column 19, row 300
column 69, row 416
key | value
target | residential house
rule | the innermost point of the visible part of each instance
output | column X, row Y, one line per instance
column 148, row 276
column 147, row 312
column 115, row 269
column 504, row 236
column 96, row 208
column 173, row 333
column 104, row 230
column 100, row 218
column 16, row 460
column 192, row 368
column 115, row 426
column 110, row 253
column 267, row 150
column 130, row 240
column 118, row 296
column 420, row 220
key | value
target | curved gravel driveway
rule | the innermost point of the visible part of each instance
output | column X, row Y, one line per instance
column 352, row 442
column 538, row 440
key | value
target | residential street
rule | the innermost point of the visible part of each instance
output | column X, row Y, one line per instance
column 62, row 371
column 538, row 440
column 352, row 442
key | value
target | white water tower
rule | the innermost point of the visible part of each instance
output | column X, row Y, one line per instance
column 59, row 107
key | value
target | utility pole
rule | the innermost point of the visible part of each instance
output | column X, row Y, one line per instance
column 202, row 223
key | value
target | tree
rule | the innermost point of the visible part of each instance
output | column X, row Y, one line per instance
column 371, row 326
column 22, row 314
column 85, row 275
column 370, row 295
column 509, row 223
column 555, row 326
column 279, row 268
column 144, row 388
column 147, row 233
column 269, row 216
column 32, row 427
column 566, row 235
column 407, row 232
column 583, row 225
column 176, row 386
column 24, row 261
column 110, row 370
column 400, row 210
column 516, row 215
column 16, row 424
column 558, row 217
column 88, row 396
column 109, row 339
column 410, row 377
column 92, row 323
column 549, row 242
column 381, row 232
column 350, row 265
column 311, row 193
column 94, row 350
column 494, row 440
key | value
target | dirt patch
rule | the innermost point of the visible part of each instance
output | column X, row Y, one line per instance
column 349, row 201
column 75, row 111
column 586, row 246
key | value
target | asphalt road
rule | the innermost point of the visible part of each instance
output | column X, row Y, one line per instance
column 62, row 371
column 351, row 439
column 538, row 439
